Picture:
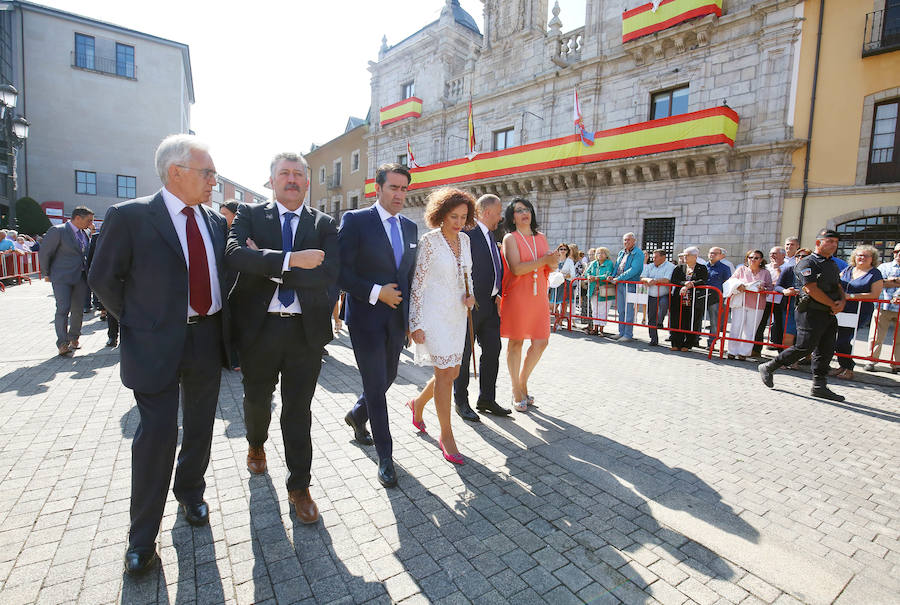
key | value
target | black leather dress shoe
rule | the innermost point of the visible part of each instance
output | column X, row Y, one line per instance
column 140, row 560
column 491, row 407
column 196, row 514
column 387, row 475
column 466, row 413
column 360, row 433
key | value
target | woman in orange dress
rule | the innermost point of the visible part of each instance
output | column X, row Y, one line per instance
column 524, row 308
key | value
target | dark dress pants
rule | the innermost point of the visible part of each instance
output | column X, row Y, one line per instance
column 377, row 353
column 153, row 449
column 281, row 349
column 657, row 309
column 486, row 322
column 686, row 317
column 816, row 333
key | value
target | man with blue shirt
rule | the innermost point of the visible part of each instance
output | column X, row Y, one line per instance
column 887, row 315
column 654, row 275
column 629, row 265
column 719, row 273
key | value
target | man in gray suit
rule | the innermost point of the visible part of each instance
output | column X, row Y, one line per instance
column 63, row 257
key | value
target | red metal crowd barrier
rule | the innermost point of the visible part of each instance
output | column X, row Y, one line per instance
column 719, row 334
column 640, row 298
column 845, row 321
column 18, row 266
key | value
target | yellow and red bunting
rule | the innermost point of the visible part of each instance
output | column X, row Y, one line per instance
column 643, row 20
column 407, row 108
column 705, row 127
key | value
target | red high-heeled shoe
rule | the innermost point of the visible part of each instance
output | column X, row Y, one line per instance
column 454, row 458
column 411, row 404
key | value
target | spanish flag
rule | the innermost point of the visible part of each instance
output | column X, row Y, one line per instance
column 471, row 130
column 411, row 157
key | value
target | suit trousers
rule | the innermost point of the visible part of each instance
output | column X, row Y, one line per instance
column 69, row 309
column 377, row 353
column 281, row 349
column 816, row 333
column 153, row 450
column 486, row 322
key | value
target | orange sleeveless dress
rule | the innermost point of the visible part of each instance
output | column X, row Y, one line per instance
column 524, row 314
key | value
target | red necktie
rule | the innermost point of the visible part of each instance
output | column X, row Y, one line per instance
column 198, row 268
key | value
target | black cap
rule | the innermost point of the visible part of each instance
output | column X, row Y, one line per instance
column 829, row 233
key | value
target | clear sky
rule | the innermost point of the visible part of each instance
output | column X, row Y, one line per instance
column 271, row 76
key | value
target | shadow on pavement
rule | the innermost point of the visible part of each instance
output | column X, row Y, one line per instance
column 32, row 380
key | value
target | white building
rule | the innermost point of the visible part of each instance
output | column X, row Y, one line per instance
column 693, row 111
column 99, row 98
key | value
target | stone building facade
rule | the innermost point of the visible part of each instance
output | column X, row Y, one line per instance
column 672, row 189
column 338, row 170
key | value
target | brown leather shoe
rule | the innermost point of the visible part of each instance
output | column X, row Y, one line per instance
column 256, row 460
column 64, row 349
column 73, row 344
column 304, row 507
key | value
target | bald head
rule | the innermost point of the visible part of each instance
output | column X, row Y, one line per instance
column 489, row 210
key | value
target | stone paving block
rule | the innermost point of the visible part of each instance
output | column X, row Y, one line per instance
column 572, row 577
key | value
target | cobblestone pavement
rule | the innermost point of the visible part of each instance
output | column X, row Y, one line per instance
column 641, row 476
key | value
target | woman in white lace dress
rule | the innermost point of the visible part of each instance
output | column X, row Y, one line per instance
column 438, row 304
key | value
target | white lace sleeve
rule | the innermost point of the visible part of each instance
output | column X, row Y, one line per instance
column 466, row 257
column 417, row 290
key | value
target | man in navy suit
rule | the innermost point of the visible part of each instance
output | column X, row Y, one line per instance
column 378, row 258
column 158, row 268
column 487, row 275
column 286, row 255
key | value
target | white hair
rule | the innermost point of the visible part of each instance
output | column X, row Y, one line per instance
column 694, row 250
column 629, row 235
column 176, row 149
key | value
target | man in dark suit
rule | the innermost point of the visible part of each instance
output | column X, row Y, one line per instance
column 378, row 258
column 286, row 257
column 159, row 269
column 487, row 276
column 63, row 257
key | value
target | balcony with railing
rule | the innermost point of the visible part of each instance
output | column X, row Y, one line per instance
column 104, row 65
column 882, row 33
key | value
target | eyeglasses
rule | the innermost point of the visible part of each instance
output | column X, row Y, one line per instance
column 562, row 249
column 754, row 258
column 522, row 211
column 802, row 255
column 206, row 173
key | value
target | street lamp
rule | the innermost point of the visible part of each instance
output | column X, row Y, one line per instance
column 16, row 130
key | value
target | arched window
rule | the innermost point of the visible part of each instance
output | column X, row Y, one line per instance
column 881, row 231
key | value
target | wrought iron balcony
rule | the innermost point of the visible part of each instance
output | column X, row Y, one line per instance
column 882, row 33
column 104, row 65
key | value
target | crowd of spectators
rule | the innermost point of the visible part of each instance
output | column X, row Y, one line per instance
column 761, row 291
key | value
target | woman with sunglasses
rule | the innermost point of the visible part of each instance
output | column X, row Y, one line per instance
column 558, row 295
column 524, row 307
column 745, row 319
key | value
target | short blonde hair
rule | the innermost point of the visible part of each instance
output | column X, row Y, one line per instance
column 871, row 251
column 602, row 250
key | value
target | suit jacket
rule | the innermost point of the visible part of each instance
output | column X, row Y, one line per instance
column 253, row 291
column 139, row 273
column 482, row 267
column 367, row 258
column 62, row 259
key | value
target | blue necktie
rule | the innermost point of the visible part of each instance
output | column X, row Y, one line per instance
column 396, row 240
column 496, row 256
column 286, row 295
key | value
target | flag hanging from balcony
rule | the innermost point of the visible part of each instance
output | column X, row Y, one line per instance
column 587, row 137
column 412, row 158
column 471, row 134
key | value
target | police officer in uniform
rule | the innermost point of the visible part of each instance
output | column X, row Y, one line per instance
column 821, row 299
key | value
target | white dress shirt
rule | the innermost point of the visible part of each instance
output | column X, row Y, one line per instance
column 384, row 215
column 490, row 242
column 175, row 206
column 275, row 304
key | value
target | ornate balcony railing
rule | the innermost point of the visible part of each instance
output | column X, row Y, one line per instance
column 882, row 32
